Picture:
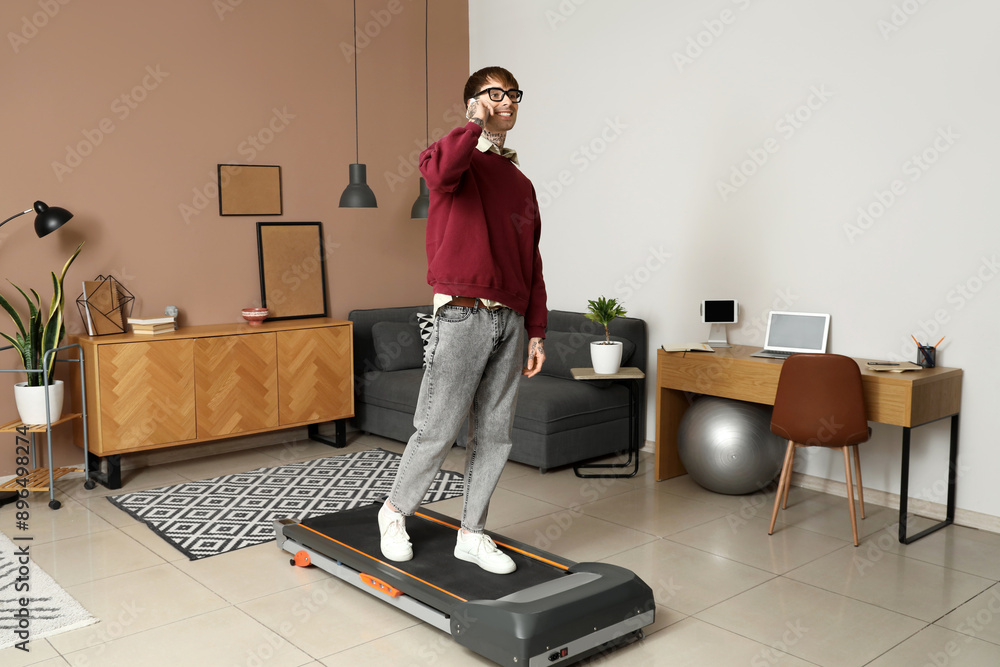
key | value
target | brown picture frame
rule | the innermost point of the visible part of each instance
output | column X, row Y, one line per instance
column 292, row 264
column 246, row 189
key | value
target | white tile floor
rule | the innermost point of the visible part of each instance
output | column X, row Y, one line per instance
column 726, row 593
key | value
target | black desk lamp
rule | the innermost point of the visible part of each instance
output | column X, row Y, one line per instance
column 48, row 220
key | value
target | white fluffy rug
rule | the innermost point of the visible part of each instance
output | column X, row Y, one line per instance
column 49, row 610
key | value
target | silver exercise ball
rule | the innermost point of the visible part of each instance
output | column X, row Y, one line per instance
column 727, row 446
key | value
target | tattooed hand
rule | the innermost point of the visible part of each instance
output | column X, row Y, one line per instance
column 479, row 111
column 536, row 357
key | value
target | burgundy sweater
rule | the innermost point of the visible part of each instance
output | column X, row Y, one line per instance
column 483, row 227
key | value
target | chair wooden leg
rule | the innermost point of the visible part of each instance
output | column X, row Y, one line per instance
column 850, row 492
column 857, row 479
column 786, row 472
column 788, row 483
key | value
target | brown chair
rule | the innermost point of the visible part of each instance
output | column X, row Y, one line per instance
column 820, row 403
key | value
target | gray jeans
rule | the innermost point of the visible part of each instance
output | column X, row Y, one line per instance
column 473, row 368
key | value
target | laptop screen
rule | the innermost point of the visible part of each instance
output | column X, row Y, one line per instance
column 797, row 332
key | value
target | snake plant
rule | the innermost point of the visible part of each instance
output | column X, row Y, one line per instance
column 35, row 335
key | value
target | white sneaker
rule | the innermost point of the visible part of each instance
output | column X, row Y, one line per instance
column 480, row 549
column 395, row 542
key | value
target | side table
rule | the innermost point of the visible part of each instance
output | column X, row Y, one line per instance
column 630, row 375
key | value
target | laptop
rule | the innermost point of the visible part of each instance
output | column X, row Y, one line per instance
column 791, row 333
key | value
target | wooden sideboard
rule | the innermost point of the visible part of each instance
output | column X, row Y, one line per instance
column 204, row 383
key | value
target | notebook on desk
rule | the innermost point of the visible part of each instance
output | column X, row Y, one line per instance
column 792, row 333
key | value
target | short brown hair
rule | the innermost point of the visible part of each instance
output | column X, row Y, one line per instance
column 478, row 79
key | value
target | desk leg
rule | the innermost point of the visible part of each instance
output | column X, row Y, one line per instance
column 904, row 485
column 670, row 407
column 633, row 442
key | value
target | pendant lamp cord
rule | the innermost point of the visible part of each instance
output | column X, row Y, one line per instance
column 357, row 141
column 427, row 95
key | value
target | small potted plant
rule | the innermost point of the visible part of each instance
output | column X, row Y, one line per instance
column 35, row 336
column 606, row 355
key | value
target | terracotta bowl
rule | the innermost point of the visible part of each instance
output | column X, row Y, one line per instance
column 255, row 315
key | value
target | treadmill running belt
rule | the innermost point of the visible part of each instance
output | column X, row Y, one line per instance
column 433, row 558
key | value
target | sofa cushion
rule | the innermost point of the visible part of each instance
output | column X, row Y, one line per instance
column 551, row 405
column 396, row 390
column 565, row 350
column 397, row 346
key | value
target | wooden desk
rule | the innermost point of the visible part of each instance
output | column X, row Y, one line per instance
column 908, row 400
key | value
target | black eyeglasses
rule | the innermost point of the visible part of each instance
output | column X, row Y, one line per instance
column 496, row 94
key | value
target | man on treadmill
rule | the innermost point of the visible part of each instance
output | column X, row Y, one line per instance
column 483, row 263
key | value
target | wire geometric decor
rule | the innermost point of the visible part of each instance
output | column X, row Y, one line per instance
column 105, row 305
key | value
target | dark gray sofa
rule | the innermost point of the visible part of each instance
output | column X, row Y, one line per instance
column 558, row 420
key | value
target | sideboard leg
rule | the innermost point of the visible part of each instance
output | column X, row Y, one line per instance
column 111, row 479
column 341, row 434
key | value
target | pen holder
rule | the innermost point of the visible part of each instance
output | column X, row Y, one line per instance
column 927, row 356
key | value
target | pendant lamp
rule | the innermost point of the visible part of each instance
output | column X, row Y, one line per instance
column 423, row 202
column 357, row 194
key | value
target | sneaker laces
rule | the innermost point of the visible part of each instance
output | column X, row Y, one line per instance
column 395, row 527
column 486, row 543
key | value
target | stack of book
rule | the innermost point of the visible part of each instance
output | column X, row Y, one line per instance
column 151, row 327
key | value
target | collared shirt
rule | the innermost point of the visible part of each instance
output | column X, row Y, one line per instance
column 487, row 146
column 483, row 146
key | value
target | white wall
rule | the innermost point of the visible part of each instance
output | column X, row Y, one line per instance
column 884, row 85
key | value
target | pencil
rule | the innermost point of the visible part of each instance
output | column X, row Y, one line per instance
column 939, row 342
column 914, row 340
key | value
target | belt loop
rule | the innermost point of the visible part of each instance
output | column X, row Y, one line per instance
column 475, row 305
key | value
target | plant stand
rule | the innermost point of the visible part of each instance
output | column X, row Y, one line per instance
column 630, row 375
column 43, row 479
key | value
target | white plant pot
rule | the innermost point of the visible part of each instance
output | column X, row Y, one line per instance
column 30, row 402
column 607, row 358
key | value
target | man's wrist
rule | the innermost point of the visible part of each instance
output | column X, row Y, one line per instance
column 478, row 121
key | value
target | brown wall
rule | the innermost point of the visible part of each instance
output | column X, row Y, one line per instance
column 142, row 182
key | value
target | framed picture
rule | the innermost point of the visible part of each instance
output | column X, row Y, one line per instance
column 292, row 269
column 249, row 189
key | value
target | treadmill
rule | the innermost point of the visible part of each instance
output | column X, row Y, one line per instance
column 550, row 611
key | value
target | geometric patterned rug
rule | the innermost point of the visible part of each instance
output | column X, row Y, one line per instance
column 214, row 516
